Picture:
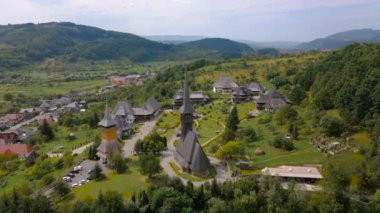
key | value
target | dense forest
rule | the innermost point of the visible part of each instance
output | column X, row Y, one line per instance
column 252, row 194
column 347, row 80
column 25, row 44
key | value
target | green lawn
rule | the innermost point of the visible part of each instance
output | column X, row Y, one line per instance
column 51, row 88
column 208, row 129
column 83, row 135
column 168, row 122
column 126, row 184
column 304, row 153
column 361, row 139
column 244, row 108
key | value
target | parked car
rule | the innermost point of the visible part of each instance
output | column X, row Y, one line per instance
column 83, row 181
column 74, row 185
column 72, row 175
column 66, row 178
column 78, row 168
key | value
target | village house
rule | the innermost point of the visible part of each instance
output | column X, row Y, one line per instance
column 15, row 135
column 271, row 101
column 297, row 173
column 241, row 94
column 83, row 104
column 150, row 110
column 14, row 118
column 256, row 88
column 224, row 85
column 23, row 151
column 48, row 117
column 72, row 107
column 29, row 111
column 129, row 80
column 195, row 98
column 5, row 122
column 124, row 117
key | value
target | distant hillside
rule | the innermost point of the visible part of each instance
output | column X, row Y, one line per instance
column 342, row 39
column 173, row 39
column 225, row 47
column 282, row 45
column 29, row 43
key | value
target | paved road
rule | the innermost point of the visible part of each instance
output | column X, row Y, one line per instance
column 17, row 126
column 168, row 156
column 128, row 149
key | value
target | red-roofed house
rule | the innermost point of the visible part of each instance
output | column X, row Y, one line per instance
column 21, row 150
column 45, row 117
column 15, row 117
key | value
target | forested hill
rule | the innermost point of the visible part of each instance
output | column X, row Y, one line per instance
column 228, row 47
column 348, row 80
column 342, row 39
column 28, row 43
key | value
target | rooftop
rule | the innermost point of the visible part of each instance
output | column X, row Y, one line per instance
column 293, row 171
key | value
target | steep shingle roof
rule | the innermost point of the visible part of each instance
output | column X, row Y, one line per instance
column 186, row 107
column 255, row 86
column 122, row 108
column 225, row 82
column 200, row 162
column 122, row 124
column 152, row 105
column 107, row 121
column 192, row 153
column 273, row 99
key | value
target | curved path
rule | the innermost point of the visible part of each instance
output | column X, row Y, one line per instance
column 146, row 128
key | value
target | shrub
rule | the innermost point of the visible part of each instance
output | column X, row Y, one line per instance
column 283, row 143
column 331, row 126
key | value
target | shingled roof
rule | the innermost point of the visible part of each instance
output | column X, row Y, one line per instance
column 192, row 153
column 255, row 87
column 107, row 121
column 225, row 82
column 122, row 108
column 186, row 107
column 273, row 99
column 152, row 105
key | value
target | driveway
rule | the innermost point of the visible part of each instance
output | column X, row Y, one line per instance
column 147, row 127
column 87, row 166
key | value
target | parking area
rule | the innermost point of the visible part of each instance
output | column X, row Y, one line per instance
column 82, row 171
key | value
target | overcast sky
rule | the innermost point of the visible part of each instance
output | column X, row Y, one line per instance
column 258, row 20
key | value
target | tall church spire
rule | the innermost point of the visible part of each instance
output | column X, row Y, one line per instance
column 186, row 110
column 107, row 121
column 186, row 107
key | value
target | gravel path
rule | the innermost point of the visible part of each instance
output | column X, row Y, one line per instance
column 147, row 127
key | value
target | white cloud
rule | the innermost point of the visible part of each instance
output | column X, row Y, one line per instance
column 237, row 19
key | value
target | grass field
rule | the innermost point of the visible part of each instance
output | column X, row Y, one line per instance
column 127, row 183
column 51, row 88
column 168, row 122
column 83, row 135
column 208, row 129
column 304, row 152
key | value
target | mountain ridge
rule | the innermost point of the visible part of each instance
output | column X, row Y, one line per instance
column 342, row 39
column 23, row 44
